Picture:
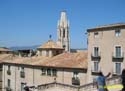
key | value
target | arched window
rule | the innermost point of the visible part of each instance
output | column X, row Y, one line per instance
column 63, row 33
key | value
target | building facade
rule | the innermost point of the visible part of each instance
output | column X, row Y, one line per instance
column 33, row 72
column 106, row 47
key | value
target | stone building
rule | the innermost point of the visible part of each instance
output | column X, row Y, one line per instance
column 53, row 66
column 106, row 47
column 4, row 50
column 66, row 68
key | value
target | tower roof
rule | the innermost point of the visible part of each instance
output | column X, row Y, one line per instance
column 50, row 44
column 63, row 22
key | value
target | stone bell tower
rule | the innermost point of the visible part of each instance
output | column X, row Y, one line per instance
column 63, row 32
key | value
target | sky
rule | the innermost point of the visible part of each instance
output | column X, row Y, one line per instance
column 30, row 22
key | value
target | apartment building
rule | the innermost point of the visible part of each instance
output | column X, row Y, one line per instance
column 66, row 68
column 106, row 50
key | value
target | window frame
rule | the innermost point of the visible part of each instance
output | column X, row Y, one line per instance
column 43, row 71
column 96, row 34
column 96, row 66
column 117, row 32
column 49, row 73
column 118, row 69
column 54, row 72
column 8, row 82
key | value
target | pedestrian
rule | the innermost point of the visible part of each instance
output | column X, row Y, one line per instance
column 26, row 88
column 123, row 79
column 101, row 82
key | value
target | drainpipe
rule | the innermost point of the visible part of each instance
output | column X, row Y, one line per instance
column 33, row 78
column 15, row 77
column 4, row 77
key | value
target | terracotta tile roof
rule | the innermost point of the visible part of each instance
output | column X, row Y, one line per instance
column 108, row 26
column 4, row 49
column 67, row 60
column 64, row 60
column 50, row 45
column 4, row 57
column 111, row 25
column 26, row 60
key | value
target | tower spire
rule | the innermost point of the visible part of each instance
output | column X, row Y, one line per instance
column 63, row 31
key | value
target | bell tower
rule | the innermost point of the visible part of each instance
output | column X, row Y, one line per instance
column 63, row 32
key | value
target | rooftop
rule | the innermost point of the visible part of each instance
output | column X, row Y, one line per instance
column 50, row 44
column 4, row 49
column 64, row 60
column 116, row 25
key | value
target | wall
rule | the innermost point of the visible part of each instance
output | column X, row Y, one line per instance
column 106, row 42
column 33, row 76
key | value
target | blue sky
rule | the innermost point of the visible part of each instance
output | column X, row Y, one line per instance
column 30, row 22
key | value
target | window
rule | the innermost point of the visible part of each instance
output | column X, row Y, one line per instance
column 117, row 33
column 96, row 34
column 49, row 72
column 22, row 86
column 47, row 53
column 118, row 51
column 22, row 73
column 118, row 68
column 43, row 71
column 54, row 72
column 75, row 74
column 96, row 51
column 96, row 66
column 75, row 78
column 8, row 70
column 64, row 33
column 60, row 33
column 22, row 69
column 8, row 67
column 8, row 82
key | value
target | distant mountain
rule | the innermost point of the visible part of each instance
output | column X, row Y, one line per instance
column 24, row 47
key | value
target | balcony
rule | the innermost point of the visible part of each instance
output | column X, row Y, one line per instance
column 95, row 71
column 22, row 74
column 8, row 89
column 96, row 56
column 118, row 57
column 116, row 74
column 75, row 81
column 8, row 72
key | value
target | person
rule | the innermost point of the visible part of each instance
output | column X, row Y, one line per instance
column 123, row 79
column 26, row 88
column 101, row 83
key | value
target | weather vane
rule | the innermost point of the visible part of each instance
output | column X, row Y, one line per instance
column 50, row 36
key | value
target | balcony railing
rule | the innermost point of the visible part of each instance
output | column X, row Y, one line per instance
column 75, row 81
column 8, row 72
column 95, row 72
column 8, row 89
column 96, row 55
column 22, row 74
column 116, row 74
